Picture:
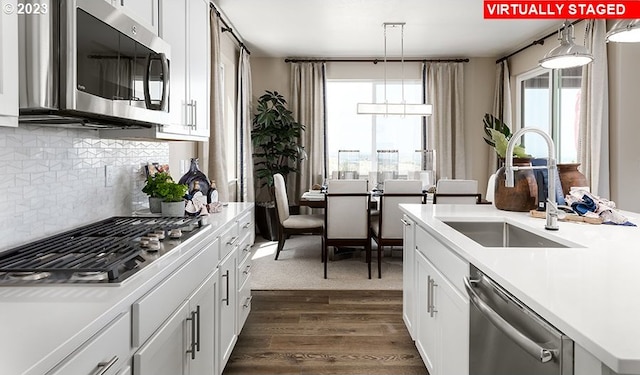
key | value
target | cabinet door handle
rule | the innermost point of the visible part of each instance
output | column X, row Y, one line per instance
column 103, row 367
column 195, row 113
column 429, row 294
column 433, row 292
column 226, row 300
column 192, row 349
column 198, row 332
column 406, row 223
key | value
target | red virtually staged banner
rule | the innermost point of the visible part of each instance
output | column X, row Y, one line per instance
column 561, row 9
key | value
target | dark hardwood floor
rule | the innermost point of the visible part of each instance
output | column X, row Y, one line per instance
column 325, row 332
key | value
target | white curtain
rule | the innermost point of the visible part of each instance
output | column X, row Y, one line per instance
column 501, row 106
column 244, row 125
column 445, row 85
column 593, row 152
column 217, row 169
column 308, row 107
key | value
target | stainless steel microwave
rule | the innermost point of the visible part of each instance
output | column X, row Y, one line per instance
column 86, row 62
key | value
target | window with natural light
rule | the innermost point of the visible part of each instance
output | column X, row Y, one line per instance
column 550, row 100
column 362, row 146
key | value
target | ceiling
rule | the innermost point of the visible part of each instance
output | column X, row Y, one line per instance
column 353, row 28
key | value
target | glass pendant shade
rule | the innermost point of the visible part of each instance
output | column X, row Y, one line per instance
column 625, row 31
column 567, row 54
column 385, row 108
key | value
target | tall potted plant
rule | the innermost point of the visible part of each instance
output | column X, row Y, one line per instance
column 275, row 137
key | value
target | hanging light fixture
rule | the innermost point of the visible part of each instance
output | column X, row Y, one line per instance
column 625, row 31
column 567, row 54
column 401, row 108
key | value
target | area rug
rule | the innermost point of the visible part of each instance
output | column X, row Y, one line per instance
column 300, row 267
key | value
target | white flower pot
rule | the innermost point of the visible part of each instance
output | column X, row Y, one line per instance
column 172, row 208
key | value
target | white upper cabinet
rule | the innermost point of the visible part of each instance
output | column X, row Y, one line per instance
column 185, row 26
column 8, row 67
column 143, row 11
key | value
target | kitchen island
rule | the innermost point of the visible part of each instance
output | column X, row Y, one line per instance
column 587, row 290
column 61, row 329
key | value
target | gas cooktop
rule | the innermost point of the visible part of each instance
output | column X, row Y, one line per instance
column 103, row 253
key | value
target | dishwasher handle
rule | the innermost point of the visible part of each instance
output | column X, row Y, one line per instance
column 531, row 347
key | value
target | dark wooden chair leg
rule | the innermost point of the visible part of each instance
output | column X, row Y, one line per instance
column 368, row 250
column 380, row 249
column 324, row 258
column 281, row 239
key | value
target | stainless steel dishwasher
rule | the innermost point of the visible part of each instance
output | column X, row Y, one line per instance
column 508, row 338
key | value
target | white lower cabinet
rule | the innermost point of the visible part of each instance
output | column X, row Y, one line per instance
column 227, row 305
column 105, row 353
column 185, row 343
column 409, row 283
column 442, row 310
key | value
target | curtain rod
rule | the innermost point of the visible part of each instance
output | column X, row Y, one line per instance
column 226, row 28
column 535, row 42
column 375, row 61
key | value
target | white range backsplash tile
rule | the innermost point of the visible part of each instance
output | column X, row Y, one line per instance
column 52, row 179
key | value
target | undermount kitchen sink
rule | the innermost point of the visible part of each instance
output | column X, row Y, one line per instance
column 501, row 234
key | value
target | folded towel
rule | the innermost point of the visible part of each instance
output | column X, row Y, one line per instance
column 587, row 204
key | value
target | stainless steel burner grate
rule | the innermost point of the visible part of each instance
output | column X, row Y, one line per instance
column 105, row 250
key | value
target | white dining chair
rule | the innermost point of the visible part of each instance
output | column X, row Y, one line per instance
column 386, row 228
column 346, row 217
column 456, row 191
column 292, row 224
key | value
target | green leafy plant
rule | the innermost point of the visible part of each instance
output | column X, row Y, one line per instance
column 275, row 136
column 498, row 134
column 153, row 181
column 170, row 191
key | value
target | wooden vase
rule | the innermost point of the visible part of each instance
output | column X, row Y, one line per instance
column 571, row 176
column 523, row 196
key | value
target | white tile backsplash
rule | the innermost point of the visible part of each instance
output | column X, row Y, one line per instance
column 52, row 179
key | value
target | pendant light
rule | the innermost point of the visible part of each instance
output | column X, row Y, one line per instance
column 625, row 31
column 567, row 54
column 401, row 108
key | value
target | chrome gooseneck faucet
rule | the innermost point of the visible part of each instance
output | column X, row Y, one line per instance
column 552, row 205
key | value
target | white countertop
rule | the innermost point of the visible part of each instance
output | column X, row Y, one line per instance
column 40, row 326
column 590, row 293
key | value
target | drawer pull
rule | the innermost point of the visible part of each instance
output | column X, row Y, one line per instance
column 246, row 248
column 103, row 367
column 246, row 226
column 406, row 223
column 247, row 269
column 232, row 240
column 247, row 302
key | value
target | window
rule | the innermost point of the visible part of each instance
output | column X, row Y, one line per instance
column 550, row 100
column 371, row 135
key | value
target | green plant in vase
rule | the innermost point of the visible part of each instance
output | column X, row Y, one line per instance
column 151, row 189
column 172, row 195
column 498, row 134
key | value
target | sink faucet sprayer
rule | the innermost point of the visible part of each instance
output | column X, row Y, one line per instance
column 552, row 206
